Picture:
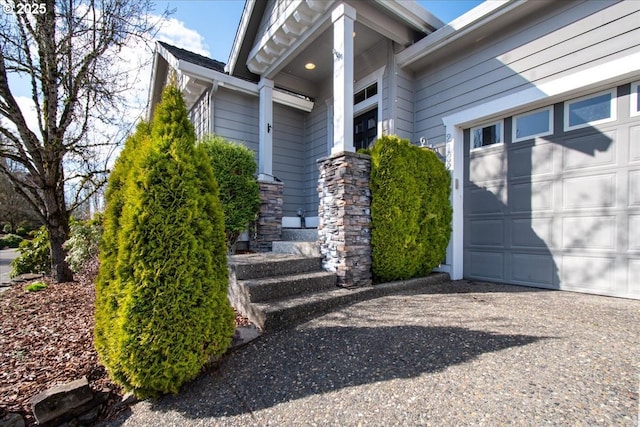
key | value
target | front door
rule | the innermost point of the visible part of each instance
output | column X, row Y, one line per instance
column 365, row 129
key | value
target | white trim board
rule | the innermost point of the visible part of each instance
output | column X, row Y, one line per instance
column 617, row 72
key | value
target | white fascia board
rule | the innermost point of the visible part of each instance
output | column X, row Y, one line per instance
column 152, row 83
column 294, row 101
column 171, row 60
column 414, row 14
column 482, row 14
column 236, row 84
column 240, row 34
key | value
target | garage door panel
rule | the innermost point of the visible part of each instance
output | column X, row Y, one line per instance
column 490, row 200
column 531, row 233
column 532, row 160
column 588, row 273
column 486, row 265
column 634, row 144
column 634, row 234
column 533, row 269
column 487, row 232
column 634, row 188
column 531, row 196
column 592, row 191
column 588, row 151
column 488, row 166
column 589, row 232
column 633, row 275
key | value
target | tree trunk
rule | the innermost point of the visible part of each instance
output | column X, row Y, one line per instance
column 58, row 228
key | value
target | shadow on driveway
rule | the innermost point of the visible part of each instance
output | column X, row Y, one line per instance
column 286, row 366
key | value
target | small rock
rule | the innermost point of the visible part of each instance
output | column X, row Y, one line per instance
column 243, row 336
column 12, row 420
column 59, row 400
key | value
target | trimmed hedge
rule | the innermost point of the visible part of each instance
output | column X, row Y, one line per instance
column 163, row 310
column 234, row 168
column 410, row 209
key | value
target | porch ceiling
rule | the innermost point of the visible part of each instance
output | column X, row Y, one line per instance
column 295, row 77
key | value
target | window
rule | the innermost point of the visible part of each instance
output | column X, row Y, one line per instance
column 590, row 110
column 532, row 124
column 635, row 99
column 365, row 93
column 484, row 136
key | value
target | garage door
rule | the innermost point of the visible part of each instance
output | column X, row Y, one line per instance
column 552, row 196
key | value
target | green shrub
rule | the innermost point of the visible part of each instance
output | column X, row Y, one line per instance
column 10, row 241
column 234, row 168
column 36, row 286
column 83, row 243
column 168, row 311
column 7, row 228
column 410, row 209
column 34, row 255
column 22, row 231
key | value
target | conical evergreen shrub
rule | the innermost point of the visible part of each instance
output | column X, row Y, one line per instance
column 168, row 311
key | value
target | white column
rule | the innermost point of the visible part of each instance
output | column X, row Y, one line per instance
column 342, row 18
column 455, row 161
column 265, row 124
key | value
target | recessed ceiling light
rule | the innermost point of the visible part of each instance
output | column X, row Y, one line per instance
column 310, row 66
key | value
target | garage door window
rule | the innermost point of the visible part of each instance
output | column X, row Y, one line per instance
column 484, row 136
column 590, row 110
column 635, row 99
column 532, row 124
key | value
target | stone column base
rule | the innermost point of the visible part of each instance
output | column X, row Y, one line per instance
column 344, row 215
column 268, row 227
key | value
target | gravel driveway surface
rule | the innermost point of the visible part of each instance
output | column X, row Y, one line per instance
column 460, row 353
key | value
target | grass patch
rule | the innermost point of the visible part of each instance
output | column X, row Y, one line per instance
column 36, row 286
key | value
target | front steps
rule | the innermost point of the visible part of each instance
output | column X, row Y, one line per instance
column 298, row 241
column 277, row 291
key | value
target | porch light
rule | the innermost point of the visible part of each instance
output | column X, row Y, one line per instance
column 310, row 66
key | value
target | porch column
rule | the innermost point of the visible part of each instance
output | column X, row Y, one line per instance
column 265, row 131
column 342, row 18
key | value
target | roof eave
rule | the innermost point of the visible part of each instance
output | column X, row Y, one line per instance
column 240, row 34
column 484, row 14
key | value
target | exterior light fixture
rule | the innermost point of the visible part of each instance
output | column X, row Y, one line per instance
column 310, row 66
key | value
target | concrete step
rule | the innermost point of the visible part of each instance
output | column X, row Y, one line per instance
column 308, row 249
column 288, row 312
column 273, row 288
column 300, row 234
column 256, row 266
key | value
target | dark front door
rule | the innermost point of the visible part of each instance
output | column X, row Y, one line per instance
column 365, row 129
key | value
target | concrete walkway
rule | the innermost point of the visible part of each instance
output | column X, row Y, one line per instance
column 6, row 256
column 454, row 354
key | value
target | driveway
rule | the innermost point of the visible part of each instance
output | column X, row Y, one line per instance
column 460, row 353
column 6, row 256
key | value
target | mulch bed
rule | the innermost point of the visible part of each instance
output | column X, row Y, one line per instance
column 46, row 339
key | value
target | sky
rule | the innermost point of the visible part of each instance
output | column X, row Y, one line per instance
column 216, row 21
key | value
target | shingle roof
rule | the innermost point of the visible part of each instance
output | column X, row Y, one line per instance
column 194, row 58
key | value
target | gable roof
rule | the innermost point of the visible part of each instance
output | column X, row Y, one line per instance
column 194, row 58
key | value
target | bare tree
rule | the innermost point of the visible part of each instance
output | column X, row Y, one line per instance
column 68, row 52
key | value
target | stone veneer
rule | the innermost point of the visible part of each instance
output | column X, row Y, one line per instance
column 268, row 227
column 344, row 228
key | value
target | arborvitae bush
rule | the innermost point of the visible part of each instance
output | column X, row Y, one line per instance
column 108, row 289
column 234, row 168
column 410, row 209
column 164, row 312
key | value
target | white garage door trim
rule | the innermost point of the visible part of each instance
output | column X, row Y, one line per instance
column 620, row 71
